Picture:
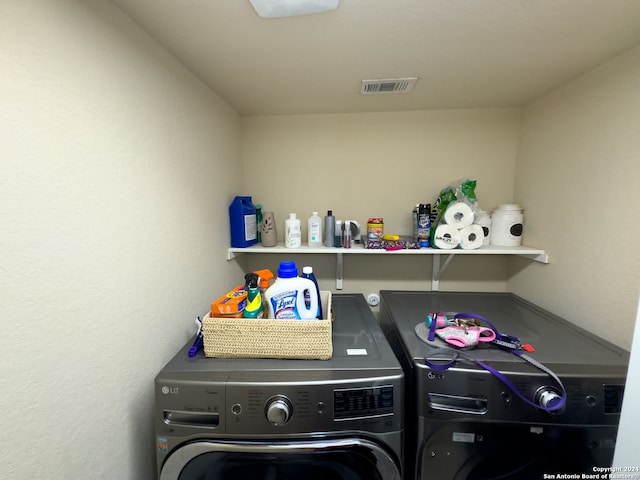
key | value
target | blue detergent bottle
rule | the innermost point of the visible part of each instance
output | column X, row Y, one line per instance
column 243, row 222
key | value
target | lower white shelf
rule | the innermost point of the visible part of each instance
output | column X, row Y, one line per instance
column 531, row 253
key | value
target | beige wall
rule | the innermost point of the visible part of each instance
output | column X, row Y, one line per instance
column 380, row 164
column 571, row 157
column 117, row 170
column 113, row 233
column 578, row 175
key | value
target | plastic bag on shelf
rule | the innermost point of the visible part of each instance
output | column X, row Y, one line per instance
column 453, row 217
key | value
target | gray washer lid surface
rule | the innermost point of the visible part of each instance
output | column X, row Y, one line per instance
column 355, row 332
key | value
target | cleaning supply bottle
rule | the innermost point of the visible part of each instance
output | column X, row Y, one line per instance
column 292, row 232
column 307, row 272
column 264, row 281
column 285, row 297
column 346, row 239
column 315, row 230
column 424, row 224
column 329, row 229
column 254, row 307
column 337, row 238
column 242, row 219
column 258, row 223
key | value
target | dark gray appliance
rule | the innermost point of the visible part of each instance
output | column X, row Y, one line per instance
column 468, row 425
column 337, row 419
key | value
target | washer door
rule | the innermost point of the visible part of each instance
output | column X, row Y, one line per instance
column 339, row 459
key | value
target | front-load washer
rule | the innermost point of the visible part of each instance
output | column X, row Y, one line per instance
column 268, row 419
column 471, row 425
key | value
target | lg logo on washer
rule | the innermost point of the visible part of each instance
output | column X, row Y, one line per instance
column 167, row 390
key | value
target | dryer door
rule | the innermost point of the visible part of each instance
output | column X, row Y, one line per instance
column 486, row 451
column 339, row 459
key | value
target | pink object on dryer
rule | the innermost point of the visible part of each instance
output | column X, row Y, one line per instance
column 465, row 336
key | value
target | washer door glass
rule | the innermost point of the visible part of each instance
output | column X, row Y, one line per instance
column 341, row 459
column 481, row 451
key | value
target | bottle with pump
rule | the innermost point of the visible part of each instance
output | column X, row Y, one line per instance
column 285, row 298
column 329, row 229
column 315, row 230
column 307, row 272
column 254, row 308
column 292, row 232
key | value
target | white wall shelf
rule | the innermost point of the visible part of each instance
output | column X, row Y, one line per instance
column 531, row 253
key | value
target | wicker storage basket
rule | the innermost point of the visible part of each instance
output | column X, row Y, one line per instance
column 268, row 338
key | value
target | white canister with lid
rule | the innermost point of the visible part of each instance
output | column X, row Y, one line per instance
column 507, row 225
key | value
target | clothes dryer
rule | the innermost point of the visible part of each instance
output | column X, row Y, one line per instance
column 337, row 419
column 464, row 423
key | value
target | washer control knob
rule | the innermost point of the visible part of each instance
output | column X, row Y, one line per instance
column 278, row 410
column 548, row 398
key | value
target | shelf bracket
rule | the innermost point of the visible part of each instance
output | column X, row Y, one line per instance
column 339, row 270
column 437, row 270
column 542, row 257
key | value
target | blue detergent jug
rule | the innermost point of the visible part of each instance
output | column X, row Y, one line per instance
column 242, row 219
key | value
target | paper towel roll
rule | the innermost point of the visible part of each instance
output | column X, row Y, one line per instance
column 471, row 237
column 447, row 237
column 458, row 215
column 483, row 219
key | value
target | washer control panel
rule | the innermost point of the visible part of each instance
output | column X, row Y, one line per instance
column 284, row 409
column 363, row 402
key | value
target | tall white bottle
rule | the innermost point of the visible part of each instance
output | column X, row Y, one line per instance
column 315, row 230
column 292, row 232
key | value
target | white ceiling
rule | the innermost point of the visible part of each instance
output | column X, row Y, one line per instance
column 466, row 53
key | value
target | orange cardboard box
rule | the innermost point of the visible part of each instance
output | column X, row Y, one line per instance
column 232, row 303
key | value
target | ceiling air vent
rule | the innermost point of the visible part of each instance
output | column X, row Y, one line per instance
column 387, row 85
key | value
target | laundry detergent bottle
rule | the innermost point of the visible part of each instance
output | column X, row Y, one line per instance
column 285, row 298
column 307, row 272
column 242, row 219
